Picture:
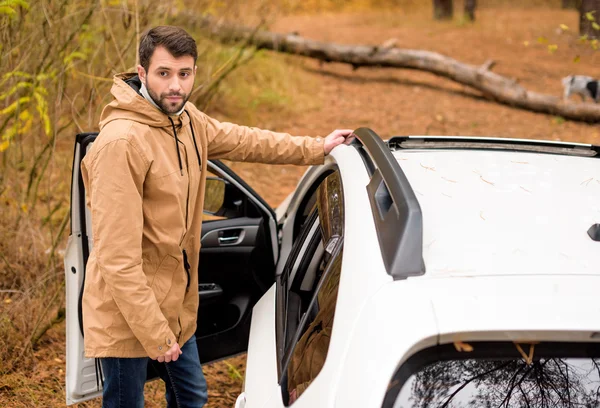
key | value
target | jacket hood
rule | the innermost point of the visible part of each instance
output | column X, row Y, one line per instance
column 130, row 104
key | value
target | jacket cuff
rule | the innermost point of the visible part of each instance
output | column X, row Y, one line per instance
column 317, row 151
column 159, row 348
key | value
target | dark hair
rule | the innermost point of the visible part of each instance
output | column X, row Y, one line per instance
column 176, row 40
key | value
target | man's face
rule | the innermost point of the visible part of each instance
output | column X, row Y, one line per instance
column 169, row 80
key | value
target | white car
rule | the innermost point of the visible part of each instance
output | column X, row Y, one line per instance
column 421, row 272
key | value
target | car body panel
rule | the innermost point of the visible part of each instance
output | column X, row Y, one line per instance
column 491, row 212
column 439, row 311
column 80, row 380
column 355, row 288
column 356, row 284
column 261, row 364
column 81, row 383
column 491, row 274
column 530, row 305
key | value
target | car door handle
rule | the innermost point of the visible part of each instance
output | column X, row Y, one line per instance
column 228, row 240
column 231, row 236
column 244, row 236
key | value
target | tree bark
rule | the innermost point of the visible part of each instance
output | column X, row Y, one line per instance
column 586, row 26
column 493, row 86
column 470, row 6
column 571, row 4
column 442, row 9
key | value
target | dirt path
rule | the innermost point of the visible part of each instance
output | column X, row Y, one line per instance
column 392, row 102
column 402, row 102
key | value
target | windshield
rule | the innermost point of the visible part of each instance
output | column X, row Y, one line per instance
column 513, row 376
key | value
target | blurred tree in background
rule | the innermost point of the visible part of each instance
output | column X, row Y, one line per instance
column 588, row 18
column 57, row 62
column 470, row 6
column 443, row 9
column 571, row 4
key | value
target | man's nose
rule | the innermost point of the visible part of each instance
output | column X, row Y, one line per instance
column 174, row 84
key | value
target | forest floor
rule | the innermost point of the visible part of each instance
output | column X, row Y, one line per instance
column 391, row 102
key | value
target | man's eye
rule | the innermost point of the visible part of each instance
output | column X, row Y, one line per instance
column 163, row 74
column 185, row 74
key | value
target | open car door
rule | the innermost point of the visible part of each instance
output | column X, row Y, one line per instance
column 237, row 265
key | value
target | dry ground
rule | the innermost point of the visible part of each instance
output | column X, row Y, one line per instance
column 392, row 102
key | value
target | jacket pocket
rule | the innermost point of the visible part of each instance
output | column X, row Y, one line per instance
column 164, row 277
column 187, row 267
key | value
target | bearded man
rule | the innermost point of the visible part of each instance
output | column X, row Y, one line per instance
column 145, row 179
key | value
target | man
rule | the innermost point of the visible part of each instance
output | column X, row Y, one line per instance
column 145, row 179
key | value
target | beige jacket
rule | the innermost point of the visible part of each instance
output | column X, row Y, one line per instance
column 146, row 210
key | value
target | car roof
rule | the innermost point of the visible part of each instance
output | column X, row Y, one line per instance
column 499, row 212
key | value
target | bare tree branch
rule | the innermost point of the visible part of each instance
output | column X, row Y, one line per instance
column 496, row 87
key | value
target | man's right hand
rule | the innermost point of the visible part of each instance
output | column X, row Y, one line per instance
column 171, row 355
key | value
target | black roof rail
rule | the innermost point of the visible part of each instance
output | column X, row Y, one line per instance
column 489, row 143
column 396, row 210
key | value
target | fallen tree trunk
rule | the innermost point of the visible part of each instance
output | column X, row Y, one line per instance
column 493, row 86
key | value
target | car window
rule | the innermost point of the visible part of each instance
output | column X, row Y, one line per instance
column 311, row 286
column 500, row 375
column 214, row 197
column 307, row 205
column 223, row 199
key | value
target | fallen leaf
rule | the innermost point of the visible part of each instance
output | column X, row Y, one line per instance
column 460, row 346
column 590, row 15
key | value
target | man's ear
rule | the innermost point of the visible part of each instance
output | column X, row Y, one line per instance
column 141, row 73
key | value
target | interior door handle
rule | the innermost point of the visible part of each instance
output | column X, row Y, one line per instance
column 232, row 236
column 228, row 240
column 243, row 235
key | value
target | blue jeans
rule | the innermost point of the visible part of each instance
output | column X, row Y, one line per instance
column 124, row 380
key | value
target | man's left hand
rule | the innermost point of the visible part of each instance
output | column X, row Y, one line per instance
column 337, row 137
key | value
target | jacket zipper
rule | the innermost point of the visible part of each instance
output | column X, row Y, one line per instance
column 187, row 197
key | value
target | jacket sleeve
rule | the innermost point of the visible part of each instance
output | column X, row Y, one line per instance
column 116, row 176
column 242, row 143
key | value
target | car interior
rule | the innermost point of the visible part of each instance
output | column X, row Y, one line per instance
column 303, row 277
column 236, row 269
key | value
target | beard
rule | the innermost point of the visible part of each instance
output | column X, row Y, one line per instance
column 164, row 104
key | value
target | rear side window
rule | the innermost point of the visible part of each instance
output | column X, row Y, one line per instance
column 499, row 375
column 308, row 291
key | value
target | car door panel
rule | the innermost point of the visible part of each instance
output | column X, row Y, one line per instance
column 81, row 380
column 236, row 268
column 224, row 234
column 241, row 269
column 263, row 386
column 261, row 382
